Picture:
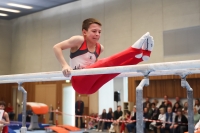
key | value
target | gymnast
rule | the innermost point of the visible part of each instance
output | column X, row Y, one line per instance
column 5, row 119
column 84, row 53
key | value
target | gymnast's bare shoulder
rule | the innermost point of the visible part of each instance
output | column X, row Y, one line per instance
column 73, row 43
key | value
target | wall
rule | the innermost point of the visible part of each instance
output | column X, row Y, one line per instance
column 164, row 85
column 5, row 45
column 34, row 35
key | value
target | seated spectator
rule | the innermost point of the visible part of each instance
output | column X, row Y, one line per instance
column 181, row 121
column 132, row 124
column 100, row 126
column 153, row 111
column 9, row 110
column 110, row 116
column 117, row 116
column 176, row 107
column 126, row 118
column 185, row 109
column 178, row 101
column 155, row 101
column 133, row 111
column 197, row 104
column 196, row 115
column 91, row 123
column 165, row 105
column 156, row 125
column 166, row 98
column 147, row 116
column 170, row 118
column 146, row 102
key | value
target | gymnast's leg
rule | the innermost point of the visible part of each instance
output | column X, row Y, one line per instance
column 138, row 52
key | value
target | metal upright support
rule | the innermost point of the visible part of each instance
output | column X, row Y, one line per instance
column 139, row 104
column 20, row 88
column 186, row 85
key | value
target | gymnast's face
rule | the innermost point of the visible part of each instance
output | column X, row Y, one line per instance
column 93, row 33
column 2, row 107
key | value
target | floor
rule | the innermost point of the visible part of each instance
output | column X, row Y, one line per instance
column 43, row 131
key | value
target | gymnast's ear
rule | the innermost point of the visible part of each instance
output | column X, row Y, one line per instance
column 84, row 32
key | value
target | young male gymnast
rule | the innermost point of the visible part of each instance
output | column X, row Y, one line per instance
column 84, row 53
column 5, row 118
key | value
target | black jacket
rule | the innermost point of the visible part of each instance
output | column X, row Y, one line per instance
column 183, row 120
column 81, row 108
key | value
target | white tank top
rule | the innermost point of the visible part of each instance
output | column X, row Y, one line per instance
column 83, row 57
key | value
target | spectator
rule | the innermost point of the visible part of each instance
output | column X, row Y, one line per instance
column 110, row 116
column 146, row 102
column 196, row 115
column 132, row 124
column 127, row 118
column 181, row 121
column 161, row 118
column 153, row 111
column 9, row 110
column 178, row 101
column 79, row 108
column 117, row 116
column 91, row 123
column 197, row 104
column 133, row 111
column 176, row 107
column 156, row 103
column 101, row 125
column 185, row 109
column 170, row 118
column 165, row 105
column 166, row 98
column 147, row 116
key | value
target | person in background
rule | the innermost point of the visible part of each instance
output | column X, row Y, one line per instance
column 5, row 118
column 170, row 118
column 196, row 115
column 165, row 105
column 161, row 118
column 117, row 116
column 79, row 108
column 181, row 122
column 133, row 112
column 185, row 109
column 101, row 125
column 9, row 108
column 156, row 103
column 132, row 124
column 146, row 102
column 110, row 116
column 179, row 102
column 126, row 118
column 176, row 107
column 166, row 98
column 197, row 104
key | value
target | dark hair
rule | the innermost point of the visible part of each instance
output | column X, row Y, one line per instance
column 2, row 103
column 128, row 112
column 179, row 110
column 87, row 22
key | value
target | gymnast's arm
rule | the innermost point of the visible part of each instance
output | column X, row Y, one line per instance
column 102, row 49
column 72, row 43
column 7, row 120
